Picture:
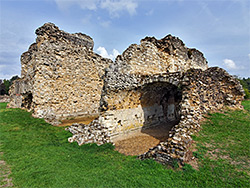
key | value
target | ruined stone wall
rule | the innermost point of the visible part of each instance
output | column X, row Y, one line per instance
column 202, row 91
column 20, row 92
column 4, row 98
column 138, row 107
column 155, row 82
column 141, row 79
column 154, row 101
column 94, row 132
column 63, row 75
column 196, row 93
column 136, row 95
column 154, row 56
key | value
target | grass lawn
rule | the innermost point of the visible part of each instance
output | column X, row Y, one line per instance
column 39, row 155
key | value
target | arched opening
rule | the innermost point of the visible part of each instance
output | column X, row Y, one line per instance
column 161, row 106
column 160, row 103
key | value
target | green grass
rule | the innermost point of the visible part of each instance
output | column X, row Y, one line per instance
column 224, row 144
column 40, row 156
column 3, row 105
column 246, row 105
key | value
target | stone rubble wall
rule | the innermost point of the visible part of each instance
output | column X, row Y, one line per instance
column 125, row 103
column 154, row 56
column 94, row 132
column 18, row 92
column 4, row 98
column 151, row 57
column 63, row 74
column 203, row 91
column 136, row 105
column 172, row 48
column 140, row 107
column 154, row 62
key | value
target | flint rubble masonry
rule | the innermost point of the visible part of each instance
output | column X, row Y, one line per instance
column 61, row 76
column 155, row 82
column 4, row 98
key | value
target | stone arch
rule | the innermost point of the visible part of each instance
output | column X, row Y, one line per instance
column 160, row 102
column 161, row 107
column 147, row 106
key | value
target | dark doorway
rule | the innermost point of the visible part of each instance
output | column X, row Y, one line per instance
column 160, row 102
column 27, row 101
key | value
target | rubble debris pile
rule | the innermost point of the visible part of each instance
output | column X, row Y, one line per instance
column 94, row 132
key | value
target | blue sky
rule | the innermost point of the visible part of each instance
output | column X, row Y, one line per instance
column 218, row 28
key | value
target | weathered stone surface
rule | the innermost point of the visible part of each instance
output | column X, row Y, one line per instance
column 155, row 82
column 4, row 98
column 94, row 132
column 152, row 57
column 214, row 85
column 20, row 94
column 61, row 75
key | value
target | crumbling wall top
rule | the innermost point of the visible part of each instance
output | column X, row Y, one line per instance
column 152, row 57
column 51, row 31
column 175, row 46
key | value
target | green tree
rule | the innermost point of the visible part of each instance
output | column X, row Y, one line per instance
column 247, row 94
column 2, row 88
column 5, row 85
column 13, row 78
column 245, row 82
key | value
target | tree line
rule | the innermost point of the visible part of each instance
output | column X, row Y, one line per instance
column 245, row 82
column 5, row 85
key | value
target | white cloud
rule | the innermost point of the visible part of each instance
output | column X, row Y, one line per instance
column 105, row 24
column 114, row 7
column 84, row 4
column 231, row 65
column 115, row 53
column 249, row 56
column 103, row 52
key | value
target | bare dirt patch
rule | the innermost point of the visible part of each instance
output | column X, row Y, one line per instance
column 4, row 174
column 139, row 142
column 136, row 143
column 84, row 120
column 189, row 158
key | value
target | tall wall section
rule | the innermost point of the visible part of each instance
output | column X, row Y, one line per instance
column 61, row 76
column 142, row 87
column 138, row 94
